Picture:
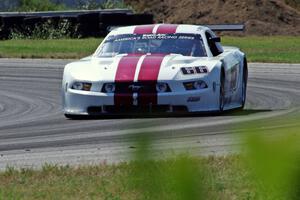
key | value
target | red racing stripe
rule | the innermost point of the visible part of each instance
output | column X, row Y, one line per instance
column 144, row 29
column 148, row 74
column 166, row 29
column 124, row 77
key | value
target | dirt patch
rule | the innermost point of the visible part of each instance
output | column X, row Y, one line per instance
column 261, row 17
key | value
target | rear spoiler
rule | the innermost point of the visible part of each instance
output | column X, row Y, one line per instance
column 226, row 27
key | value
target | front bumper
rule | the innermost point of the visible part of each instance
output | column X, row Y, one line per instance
column 90, row 103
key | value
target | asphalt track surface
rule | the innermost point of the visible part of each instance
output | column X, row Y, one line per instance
column 33, row 130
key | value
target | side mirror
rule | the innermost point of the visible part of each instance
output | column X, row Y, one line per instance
column 215, row 39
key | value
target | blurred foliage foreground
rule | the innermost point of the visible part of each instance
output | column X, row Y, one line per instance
column 269, row 168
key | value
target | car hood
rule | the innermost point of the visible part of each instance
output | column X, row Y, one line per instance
column 167, row 67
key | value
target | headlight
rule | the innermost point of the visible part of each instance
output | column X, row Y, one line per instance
column 200, row 85
column 109, row 88
column 161, row 87
column 81, row 86
column 195, row 85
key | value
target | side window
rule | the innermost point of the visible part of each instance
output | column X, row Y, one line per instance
column 215, row 47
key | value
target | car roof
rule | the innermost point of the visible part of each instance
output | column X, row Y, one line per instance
column 159, row 28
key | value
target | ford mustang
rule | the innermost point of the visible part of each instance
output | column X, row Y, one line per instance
column 161, row 68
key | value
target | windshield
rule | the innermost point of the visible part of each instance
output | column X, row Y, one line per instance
column 184, row 44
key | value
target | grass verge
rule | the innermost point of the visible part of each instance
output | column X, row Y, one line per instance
column 224, row 179
column 282, row 49
column 60, row 48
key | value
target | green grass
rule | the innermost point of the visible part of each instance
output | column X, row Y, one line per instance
column 282, row 49
column 61, row 48
column 225, row 178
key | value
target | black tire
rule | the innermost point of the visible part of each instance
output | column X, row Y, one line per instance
column 244, row 84
column 222, row 91
column 74, row 117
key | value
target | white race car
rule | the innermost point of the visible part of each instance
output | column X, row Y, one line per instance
column 156, row 68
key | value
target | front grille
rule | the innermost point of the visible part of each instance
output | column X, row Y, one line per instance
column 145, row 109
column 136, row 87
column 130, row 87
column 142, row 109
column 136, row 109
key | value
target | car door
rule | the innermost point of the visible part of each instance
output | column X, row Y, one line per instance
column 230, row 63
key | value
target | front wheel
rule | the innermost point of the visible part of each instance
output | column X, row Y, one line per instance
column 74, row 117
column 222, row 92
column 244, row 85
